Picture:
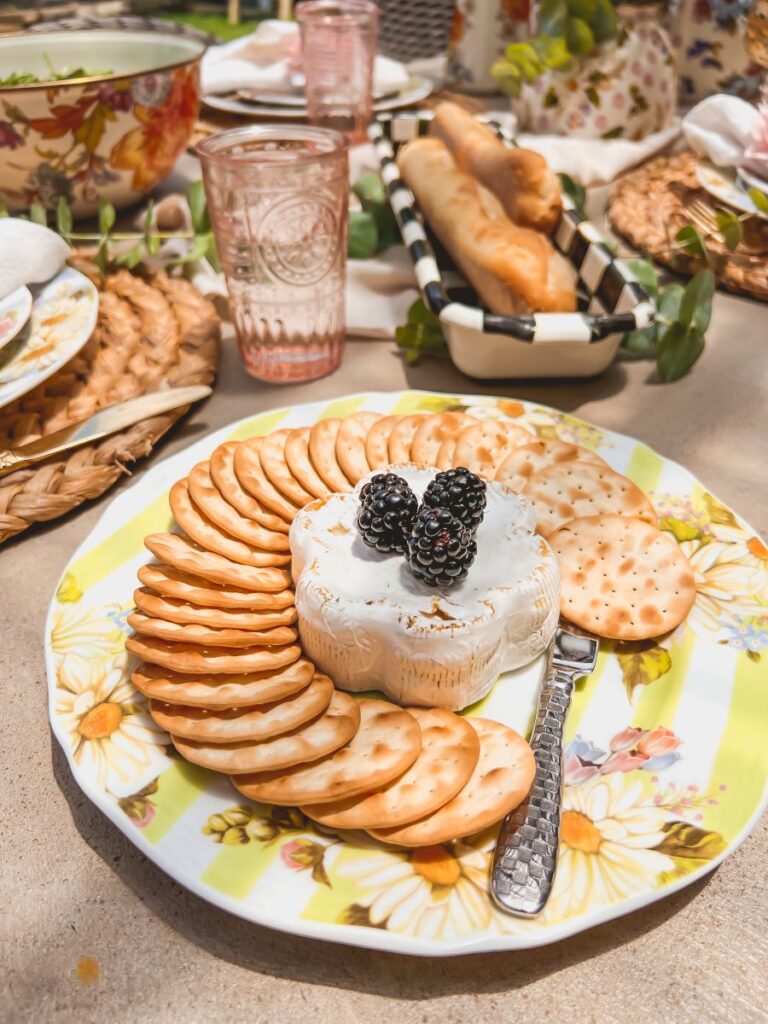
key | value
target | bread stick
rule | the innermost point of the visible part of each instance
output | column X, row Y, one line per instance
column 514, row 270
column 528, row 189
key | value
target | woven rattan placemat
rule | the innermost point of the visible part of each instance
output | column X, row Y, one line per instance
column 651, row 204
column 151, row 332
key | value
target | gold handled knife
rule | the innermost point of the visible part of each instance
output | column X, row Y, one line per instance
column 101, row 424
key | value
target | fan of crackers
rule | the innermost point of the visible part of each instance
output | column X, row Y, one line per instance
column 216, row 624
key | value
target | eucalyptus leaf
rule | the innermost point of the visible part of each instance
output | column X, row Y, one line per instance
column 668, row 307
column 198, row 208
column 584, row 9
column 574, row 190
column 195, row 252
column 579, row 36
column 645, row 274
column 102, row 257
column 552, row 51
column 695, row 308
column 692, row 240
column 107, row 216
column 507, row 76
column 677, row 350
column 552, row 18
column 63, row 218
column 420, row 313
column 131, row 257
column 640, row 344
column 212, row 253
column 603, row 22
column 729, row 226
column 38, row 215
column 369, row 189
column 760, row 199
column 363, row 240
column 3, row 208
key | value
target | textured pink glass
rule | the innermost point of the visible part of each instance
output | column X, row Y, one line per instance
column 278, row 203
column 338, row 47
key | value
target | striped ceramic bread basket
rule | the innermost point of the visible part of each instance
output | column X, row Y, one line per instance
column 488, row 345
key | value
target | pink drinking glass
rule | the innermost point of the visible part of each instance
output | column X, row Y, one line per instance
column 278, row 200
column 338, row 46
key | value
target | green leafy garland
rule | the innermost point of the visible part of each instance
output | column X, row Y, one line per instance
column 111, row 248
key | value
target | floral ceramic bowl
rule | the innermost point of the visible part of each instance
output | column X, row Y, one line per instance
column 116, row 133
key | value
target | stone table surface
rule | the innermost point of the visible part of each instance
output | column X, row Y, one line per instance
column 73, row 887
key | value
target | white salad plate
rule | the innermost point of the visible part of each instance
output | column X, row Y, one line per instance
column 60, row 322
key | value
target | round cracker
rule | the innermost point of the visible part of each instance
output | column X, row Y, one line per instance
column 237, row 725
column 621, row 577
column 350, row 444
column 194, row 659
column 192, row 633
column 210, row 537
column 218, row 510
column 224, row 477
column 178, row 585
column 445, row 454
column 300, row 464
column 309, row 742
column 251, row 475
column 449, row 752
column 401, row 438
column 181, row 553
column 322, row 452
column 274, row 464
column 500, row 781
column 158, row 607
column 483, row 446
column 386, row 744
column 522, row 463
column 571, row 490
column 376, row 442
column 443, row 426
column 230, row 691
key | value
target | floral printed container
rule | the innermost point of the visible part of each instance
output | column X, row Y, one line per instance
column 115, row 134
column 626, row 90
column 710, row 39
column 481, row 31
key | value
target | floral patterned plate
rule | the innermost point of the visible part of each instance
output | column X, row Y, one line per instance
column 61, row 321
column 666, row 761
column 14, row 313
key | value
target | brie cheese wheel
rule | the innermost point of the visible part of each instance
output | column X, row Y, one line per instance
column 370, row 624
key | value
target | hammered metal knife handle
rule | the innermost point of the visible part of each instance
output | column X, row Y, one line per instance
column 526, row 852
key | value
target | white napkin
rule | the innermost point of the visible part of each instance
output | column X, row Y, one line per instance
column 264, row 60
column 598, row 161
column 379, row 292
column 29, row 254
column 730, row 132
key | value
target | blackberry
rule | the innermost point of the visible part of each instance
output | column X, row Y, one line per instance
column 388, row 509
column 461, row 492
column 440, row 548
column 387, row 481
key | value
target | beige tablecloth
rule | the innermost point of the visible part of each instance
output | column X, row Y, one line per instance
column 73, row 887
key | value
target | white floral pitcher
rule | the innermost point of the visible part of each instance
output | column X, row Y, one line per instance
column 709, row 37
column 626, row 90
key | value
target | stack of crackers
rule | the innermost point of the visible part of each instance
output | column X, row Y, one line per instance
column 216, row 623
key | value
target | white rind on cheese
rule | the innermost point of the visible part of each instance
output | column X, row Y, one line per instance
column 368, row 623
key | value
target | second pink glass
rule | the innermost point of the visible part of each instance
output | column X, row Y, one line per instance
column 278, row 201
column 338, row 42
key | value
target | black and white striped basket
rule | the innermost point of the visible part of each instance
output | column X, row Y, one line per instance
column 489, row 345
